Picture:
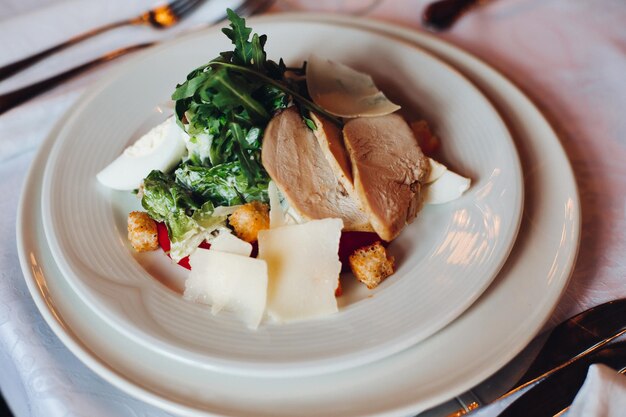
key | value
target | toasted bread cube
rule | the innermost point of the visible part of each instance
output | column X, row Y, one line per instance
column 371, row 264
column 425, row 138
column 248, row 219
column 142, row 232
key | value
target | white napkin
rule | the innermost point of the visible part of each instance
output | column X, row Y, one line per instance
column 602, row 395
column 39, row 376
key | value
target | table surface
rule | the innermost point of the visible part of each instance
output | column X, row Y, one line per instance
column 569, row 56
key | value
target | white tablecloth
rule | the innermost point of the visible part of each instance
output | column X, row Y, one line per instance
column 568, row 55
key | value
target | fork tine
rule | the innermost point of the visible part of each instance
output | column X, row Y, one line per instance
column 160, row 17
column 14, row 98
column 180, row 8
column 177, row 4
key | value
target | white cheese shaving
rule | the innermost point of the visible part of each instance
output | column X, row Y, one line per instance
column 228, row 281
column 227, row 242
column 303, row 266
column 343, row 91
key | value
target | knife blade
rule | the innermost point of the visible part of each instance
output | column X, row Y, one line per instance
column 555, row 393
column 575, row 338
column 569, row 341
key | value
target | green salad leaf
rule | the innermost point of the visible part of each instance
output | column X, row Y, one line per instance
column 224, row 106
column 188, row 222
column 225, row 111
column 249, row 53
column 163, row 197
column 221, row 102
column 223, row 185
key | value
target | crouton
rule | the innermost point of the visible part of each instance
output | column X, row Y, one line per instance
column 425, row 138
column 371, row 264
column 248, row 219
column 142, row 232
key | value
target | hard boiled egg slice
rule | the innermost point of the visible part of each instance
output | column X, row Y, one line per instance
column 161, row 148
column 345, row 92
column 228, row 281
column 449, row 186
column 436, row 171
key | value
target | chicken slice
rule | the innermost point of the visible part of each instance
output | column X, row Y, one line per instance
column 388, row 167
column 294, row 160
column 330, row 139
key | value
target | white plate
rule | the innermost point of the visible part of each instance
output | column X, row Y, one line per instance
column 506, row 317
column 445, row 259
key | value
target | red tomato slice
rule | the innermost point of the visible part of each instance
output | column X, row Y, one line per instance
column 164, row 242
column 351, row 241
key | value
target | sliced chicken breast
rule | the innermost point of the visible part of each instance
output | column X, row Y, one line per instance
column 294, row 160
column 330, row 139
column 388, row 167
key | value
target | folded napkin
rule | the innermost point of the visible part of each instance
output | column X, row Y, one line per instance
column 602, row 395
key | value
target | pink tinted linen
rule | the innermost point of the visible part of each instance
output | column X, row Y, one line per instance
column 569, row 56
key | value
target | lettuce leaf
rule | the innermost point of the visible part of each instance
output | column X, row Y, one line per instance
column 188, row 223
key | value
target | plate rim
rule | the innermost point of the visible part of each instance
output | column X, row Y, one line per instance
column 461, row 386
column 301, row 366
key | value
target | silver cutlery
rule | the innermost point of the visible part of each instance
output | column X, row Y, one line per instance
column 160, row 17
column 441, row 14
column 555, row 394
column 16, row 97
column 574, row 339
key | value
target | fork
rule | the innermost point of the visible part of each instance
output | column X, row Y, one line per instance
column 16, row 97
column 160, row 17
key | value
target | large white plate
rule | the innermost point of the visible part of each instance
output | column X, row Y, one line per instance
column 445, row 259
column 483, row 339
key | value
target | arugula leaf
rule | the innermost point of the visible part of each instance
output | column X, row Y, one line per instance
column 230, row 94
column 224, row 185
column 219, row 184
column 273, row 98
column 224, row 106
column 191, row 86
column 297, row 95
column 258, row 53
column 246, row 53
column 309, row 123
column 253, row 139
column 306, row 117
column 225, row 112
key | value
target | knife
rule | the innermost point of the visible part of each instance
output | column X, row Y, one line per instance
column 441, row 14
column 575, row 338
column 555, row 393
